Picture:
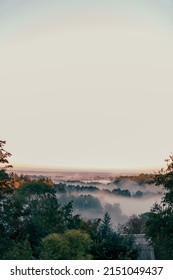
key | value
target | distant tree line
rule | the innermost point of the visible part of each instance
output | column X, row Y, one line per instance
column 65, row 188
column 35, row 225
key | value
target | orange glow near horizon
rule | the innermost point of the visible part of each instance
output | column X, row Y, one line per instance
column 91, row 92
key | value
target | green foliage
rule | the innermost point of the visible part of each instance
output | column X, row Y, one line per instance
column 135, row 225
column 20, row 250
column 54, row 247
column 115, row 247
column 105, row 228
column 4, row 244
column 79, row 244
column 159, row 229
column 159, row 226
column 36, row 189
column 111, row 246
column 12, row 215
column 5, row 179
column 44, row 213
column 91, row 227
column 33, row 224
column 72, row 245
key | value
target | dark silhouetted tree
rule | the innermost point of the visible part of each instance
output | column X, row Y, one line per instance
column 159, row 226
column 135, row 224
column 5, row 180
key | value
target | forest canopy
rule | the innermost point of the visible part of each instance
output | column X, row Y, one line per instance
column 37, row 221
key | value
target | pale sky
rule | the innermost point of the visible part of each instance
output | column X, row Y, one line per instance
column 87, row 84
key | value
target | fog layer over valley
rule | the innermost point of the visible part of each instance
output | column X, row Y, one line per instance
column 94, row 193
column 122, row 197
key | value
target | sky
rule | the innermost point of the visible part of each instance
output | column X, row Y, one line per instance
column 87, row 84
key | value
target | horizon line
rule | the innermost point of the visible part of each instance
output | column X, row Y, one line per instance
column 82, row 169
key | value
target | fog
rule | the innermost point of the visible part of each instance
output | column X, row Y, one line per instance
column 134, row 187
column 91, row 200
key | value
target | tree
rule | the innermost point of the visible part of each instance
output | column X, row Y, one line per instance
column 4, row 155
column 87, row 202
column 6, row 191
column 43, row 214
column 159, row 226
column 19, row 250
column 165, row 178
column 42, row 211
column 109, row 245
column 120, row 192
column 159, row 230
column 72, row 245
column 54, row 247
column 5, row 182
column 79, row 244
column 135, row 224
column 105, row 228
